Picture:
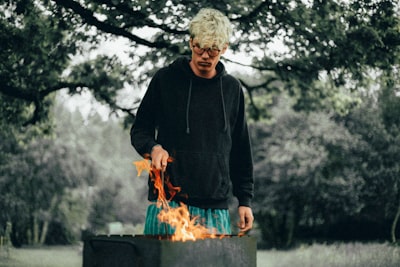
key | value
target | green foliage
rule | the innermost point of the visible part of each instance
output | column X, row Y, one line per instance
column 304, row 173
column 390, row 100
column 377, row 124
column 315, row 171
column 118, row 193
column 105, row 75
column 343, row 40
column 35, row 52
column 70, row 217
column 35, row 179
column 38, row 46
column 80, row 176
column 103, row 209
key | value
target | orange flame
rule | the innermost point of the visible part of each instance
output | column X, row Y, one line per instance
column 186, row 228
column 142, row 165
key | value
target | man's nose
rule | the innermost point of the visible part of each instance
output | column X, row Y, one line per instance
column 205, row 54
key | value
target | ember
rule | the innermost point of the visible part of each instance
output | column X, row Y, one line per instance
column 186, row 228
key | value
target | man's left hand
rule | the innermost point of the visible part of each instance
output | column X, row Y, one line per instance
column 246, row 218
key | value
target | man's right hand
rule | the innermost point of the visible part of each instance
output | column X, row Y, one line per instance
column 159, row 158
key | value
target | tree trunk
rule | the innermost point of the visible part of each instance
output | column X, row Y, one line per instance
column 290, row 222
column 35, row 237
column 29, row 235
column 394, row 223
column 44, row 232
column 46, row 222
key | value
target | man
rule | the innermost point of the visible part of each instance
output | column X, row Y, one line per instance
column 193, row 112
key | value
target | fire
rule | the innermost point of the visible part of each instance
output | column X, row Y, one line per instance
column 142, row 165
column 186, row 228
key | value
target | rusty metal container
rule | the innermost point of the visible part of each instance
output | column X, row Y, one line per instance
column 156, row 251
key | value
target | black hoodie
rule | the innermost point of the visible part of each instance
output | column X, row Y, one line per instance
column 201, row 123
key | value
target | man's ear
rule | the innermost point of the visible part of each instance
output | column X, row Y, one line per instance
column 224, row 48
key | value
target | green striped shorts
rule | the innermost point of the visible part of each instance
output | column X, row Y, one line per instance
column 217, row 219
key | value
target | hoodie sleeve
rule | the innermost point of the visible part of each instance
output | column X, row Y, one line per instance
column 241, row 160
column 143, row 131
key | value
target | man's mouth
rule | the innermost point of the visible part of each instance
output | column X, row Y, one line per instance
column 204, row 64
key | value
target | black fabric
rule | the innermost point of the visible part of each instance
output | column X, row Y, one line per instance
column 201, row 123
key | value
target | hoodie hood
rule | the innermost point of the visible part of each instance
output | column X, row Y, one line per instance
column 182, row 64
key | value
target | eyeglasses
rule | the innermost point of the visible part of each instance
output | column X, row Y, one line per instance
column 212, row 52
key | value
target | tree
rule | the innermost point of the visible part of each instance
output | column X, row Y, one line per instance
column 118, row 193
column 377, row 123
column 340, row 39
column 329, row 176
column 305, row 175
column 34, row 182
column 36, row 62
column 390, row 106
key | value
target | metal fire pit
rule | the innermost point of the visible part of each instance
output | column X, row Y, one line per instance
column 153, row 251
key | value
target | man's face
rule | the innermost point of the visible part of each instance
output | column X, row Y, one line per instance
column 205, row 59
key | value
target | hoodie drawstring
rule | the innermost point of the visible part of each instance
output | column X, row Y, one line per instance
column 223, row 105
column 188, row 107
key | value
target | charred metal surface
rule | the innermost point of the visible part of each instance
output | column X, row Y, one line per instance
column 157, row 251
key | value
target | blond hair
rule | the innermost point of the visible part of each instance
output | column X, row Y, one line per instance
column 210, row 28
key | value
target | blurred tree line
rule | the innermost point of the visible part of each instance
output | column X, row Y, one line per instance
column 321, row 176
column 78, row 178
column 324, row 110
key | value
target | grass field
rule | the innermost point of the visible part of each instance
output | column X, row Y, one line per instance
column 57, row 256
column 336, row 255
